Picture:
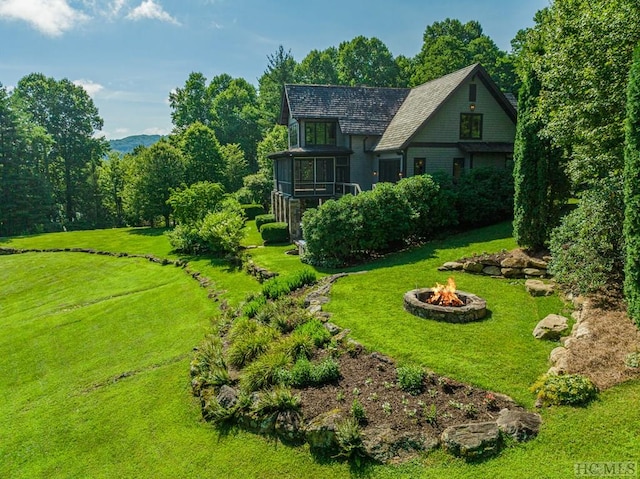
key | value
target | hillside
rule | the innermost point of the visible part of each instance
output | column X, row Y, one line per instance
column 126, row 145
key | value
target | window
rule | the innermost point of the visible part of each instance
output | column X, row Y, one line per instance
column 470, row 126
column 293, row 135
column 342, row 170
column 418, row 166
column 473, row 91
column 319, row 133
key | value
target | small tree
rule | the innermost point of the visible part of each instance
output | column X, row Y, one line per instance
column 632, row 191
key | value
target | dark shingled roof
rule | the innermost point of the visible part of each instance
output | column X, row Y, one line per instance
column 359, row 110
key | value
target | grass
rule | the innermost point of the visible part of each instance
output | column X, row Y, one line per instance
column 94, row 360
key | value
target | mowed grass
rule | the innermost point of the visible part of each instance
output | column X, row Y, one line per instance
column 94, row 360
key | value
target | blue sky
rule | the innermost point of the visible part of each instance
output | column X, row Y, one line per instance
column 130, row 54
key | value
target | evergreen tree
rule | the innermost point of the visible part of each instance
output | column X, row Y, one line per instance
column 632, row 191
column 538, row 191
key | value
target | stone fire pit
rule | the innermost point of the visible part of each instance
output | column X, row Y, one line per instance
column 474, row 308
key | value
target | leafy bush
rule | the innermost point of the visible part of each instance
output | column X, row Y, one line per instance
column 304, row 373
column 432, row 205
column 264, row 371
column 185, row 238
column 632, row 360
column 568, row 389
column 262, row 220
column 300, row 278
column 254, row 306
column 281, row 285
column 326, row 371
column 410, row 379
column 222, row 231
column 588, row 247
column 253, row 210
column 296, row 345
column 275, row 233
column 192, row 204
column 484, row 196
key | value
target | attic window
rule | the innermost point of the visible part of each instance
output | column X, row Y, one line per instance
column 473, row 91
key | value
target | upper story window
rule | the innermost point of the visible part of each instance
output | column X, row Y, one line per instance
column 319, row 133
column 473, row 92
column 294, row 137
column 471, row 126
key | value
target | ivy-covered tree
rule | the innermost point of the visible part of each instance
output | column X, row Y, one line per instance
column 632, row 191
column 538, row 178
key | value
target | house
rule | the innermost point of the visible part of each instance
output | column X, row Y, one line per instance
column 347, row 139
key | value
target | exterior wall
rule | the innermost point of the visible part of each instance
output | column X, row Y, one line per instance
column 490, row 160
column 444, row 126
column 437, row 159
column 361, row 164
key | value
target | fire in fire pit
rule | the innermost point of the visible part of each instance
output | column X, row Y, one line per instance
column 445, row 295
column 445, row 303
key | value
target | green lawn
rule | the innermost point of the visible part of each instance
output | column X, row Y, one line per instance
column 94, row 359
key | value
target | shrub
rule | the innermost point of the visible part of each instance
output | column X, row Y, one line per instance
column 410, row 379
column 262, row 220
column 281, row 285
column 275, row 233
column 432, row 205
column 300, row 278
column 568, row 389
column 484, row 196
column 296, row 345
column 632, row 360
column 208, row 355
column 185, row 238
column 326, row 371
column 222, row 231
column 300, row 375
column 254, row 306
column 264, row 371
column 253, row 210
column 588, row 247
column 332, row 232
column 304, row 373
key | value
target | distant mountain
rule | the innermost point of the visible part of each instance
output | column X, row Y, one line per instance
column 126, row 145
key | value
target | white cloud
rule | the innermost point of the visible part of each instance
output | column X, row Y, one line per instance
column 51, row 17
column 149, row 9
column 156, row 131
column 90, row 87
column 116, row 6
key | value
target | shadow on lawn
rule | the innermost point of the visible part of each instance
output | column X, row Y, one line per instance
column 428, row 250
column 147, row 231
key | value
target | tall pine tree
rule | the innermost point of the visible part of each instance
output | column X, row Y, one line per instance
column 632, row 191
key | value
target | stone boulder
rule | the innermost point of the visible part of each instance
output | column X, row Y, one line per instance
column 535, row 287
column 514, row 262
column 512, row 272
column 537, row 263
column 492, row 271
column 534, row 272
column 289, row 428
column 227, row 397
column 551, row 327
column 451, row 266
column 473, row 440
column 520, row 425
column 321, row 432
column 383, row 444
column 473, row 267
column 558, row 357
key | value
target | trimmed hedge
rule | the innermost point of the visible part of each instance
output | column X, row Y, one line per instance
column 275, row 233
column 253, row 210
column 264, row 219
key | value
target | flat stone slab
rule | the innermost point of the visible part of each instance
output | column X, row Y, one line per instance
column 472, row 440
column 536, row 287
column 520, row 425
column 551, row 327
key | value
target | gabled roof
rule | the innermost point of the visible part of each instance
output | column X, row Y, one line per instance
column 359, row 110
column 425, row 100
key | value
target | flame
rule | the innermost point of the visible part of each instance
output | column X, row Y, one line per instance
column 445, row 295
